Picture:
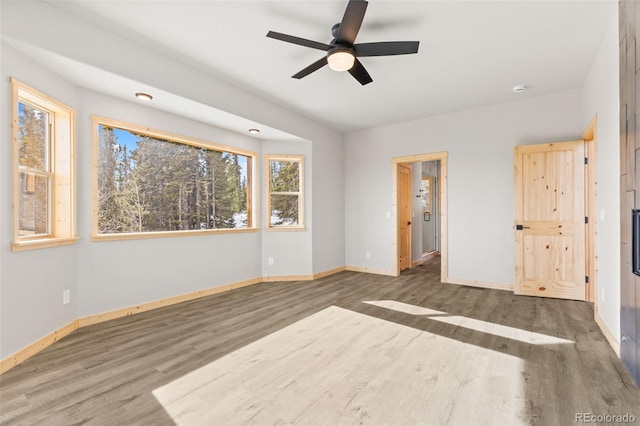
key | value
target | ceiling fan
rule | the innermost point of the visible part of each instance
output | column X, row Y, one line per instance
column 342, row 53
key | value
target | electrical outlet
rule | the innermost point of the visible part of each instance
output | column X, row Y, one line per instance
column 367, row 254
column 270, row 260
column 388, row 215
column 66, row 297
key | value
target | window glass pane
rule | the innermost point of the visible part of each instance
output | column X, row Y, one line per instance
column 426, row 195
column 33, row 205
column 284, row 176
column 284, row 210
column 147, row 184
column 32, row 137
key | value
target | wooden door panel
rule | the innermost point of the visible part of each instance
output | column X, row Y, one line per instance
column 405, row 248
column 404, row 216
column 550, row 196
column 549, row 206
column 553, row 273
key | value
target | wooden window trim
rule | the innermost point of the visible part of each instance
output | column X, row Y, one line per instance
column 171, row 137
column 43, row 243
column 267, row 177
column 62, row 190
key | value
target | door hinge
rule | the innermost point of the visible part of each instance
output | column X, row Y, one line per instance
column 586, row 160
column 586, row 279
column 586, row 219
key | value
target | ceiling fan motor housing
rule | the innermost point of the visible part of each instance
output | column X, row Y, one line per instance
column 334, row 30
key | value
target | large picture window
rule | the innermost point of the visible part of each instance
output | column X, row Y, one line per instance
column 285, row 203
column 44, row 186
column 153, row 183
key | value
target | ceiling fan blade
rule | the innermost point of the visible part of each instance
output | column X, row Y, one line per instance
column 299, row 41
column 386, row 48
column 351, row 22
column 311, row 68
column 360, row 73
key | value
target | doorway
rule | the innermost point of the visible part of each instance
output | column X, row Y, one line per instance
column 439, row 188
column 429, row 211
column 550, row 230
column 556, row 219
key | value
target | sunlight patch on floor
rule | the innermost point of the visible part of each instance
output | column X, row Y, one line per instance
column 513, row 333
column 341, row 367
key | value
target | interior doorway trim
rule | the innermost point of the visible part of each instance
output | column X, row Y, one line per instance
column 590, row 137
column 442, row 156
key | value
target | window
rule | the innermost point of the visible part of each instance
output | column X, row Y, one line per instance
column 150, row 183
column 426, row 191
column 285, row 203
column 43, row 158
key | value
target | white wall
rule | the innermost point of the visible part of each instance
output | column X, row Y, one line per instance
column 291, row 250
column 31, row 282
column 480, row 143
column 328, row 204
column 601, row 96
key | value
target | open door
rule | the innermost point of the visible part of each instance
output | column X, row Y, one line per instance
column 550, row 220
column 404, row 216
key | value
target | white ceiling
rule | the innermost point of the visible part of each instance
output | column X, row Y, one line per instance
column 471, row 53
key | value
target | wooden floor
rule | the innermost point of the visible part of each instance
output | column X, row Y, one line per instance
column 348, row 349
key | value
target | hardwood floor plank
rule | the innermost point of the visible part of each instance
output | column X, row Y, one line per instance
column 421, row 352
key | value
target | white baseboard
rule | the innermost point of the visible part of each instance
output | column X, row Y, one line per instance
column 370, row 271
column 27, row 352
column 607, row 333
column 476, row 283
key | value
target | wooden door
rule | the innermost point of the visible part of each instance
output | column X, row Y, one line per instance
column 550, row 220
column 404, row 216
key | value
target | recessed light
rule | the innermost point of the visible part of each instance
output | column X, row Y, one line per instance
column 254, row 131
column 144, row 96
column 519, row 88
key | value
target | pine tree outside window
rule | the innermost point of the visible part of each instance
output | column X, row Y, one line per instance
column 285, row 189
column 43, row 157
column 149, row 183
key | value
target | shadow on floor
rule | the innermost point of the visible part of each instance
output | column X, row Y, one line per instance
column 106, row 373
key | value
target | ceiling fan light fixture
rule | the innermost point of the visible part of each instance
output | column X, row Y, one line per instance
column 341, row 60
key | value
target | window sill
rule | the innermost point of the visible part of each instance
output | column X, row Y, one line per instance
column 168, row 234
column 287, row 228
column 43, row 243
